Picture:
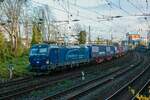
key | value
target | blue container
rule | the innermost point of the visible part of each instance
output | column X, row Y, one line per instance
column 98, row 51
column 90, row 52
column 112, row 50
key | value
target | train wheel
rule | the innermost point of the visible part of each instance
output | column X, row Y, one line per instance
column 109, row 58
column 98, row 60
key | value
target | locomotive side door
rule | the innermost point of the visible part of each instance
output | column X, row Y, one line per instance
column 54, row 56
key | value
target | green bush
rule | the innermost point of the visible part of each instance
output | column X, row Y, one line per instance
column 7, row 56
column 20, row 67
column 37, row 34
column 2, row 47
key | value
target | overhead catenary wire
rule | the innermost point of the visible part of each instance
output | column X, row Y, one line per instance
column 89, row 17
column 113, row 4
column 135, row 6
column 68, row 12
column 82, row 16
column 146, row 5
column 119, row 4
column 78, row 6
column 93, row 11
column 64, row 11
column 111, row 35
column 147, row 22
column 66, row 7
column 139, row 4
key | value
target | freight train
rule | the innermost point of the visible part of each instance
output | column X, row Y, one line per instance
column 47, row 57
column 141, row 48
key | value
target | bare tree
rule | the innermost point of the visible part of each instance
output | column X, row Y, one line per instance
column 77, row 28
column 12, row 10
column 26, row 24
column 52, row 29
column 26, row 19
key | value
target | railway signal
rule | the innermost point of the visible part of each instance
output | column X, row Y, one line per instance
column 10, row 68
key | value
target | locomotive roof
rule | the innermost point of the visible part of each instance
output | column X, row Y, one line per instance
column 38, row 45
column 45, row 45
column 58, row 46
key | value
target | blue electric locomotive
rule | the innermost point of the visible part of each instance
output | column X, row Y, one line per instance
column 45, row 57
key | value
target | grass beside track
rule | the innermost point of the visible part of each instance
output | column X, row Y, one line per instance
column 20, row 67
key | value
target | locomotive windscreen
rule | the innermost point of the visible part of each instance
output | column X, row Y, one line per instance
column 39, row 51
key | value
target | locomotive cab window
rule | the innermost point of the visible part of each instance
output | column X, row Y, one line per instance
column 42, row 50
column 39, row 51
column 34, row 51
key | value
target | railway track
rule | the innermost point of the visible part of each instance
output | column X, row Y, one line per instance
column 22, row 88
column 15, row 81
column 124, row 93
column 143, row 92
column 82, row 89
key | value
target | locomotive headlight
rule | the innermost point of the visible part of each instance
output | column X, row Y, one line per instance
column 47, row 62
column 37, row 62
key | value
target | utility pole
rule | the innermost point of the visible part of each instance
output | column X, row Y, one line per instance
column 89, row 38
column 111, row 37
column 26, row 32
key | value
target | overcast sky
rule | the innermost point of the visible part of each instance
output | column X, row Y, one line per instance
column 96, row 12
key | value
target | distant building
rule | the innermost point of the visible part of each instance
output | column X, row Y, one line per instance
column 144, row 41
column 133, row 40
column 124, row 43
column 148, row 37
